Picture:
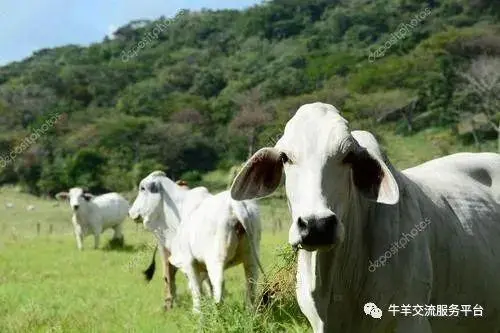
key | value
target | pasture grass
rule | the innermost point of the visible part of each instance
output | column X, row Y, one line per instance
column 411, row 150
column 47, row 285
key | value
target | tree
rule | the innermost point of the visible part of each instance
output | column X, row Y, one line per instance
column 252, row 116
column 188, row 116
column 85, row 168
column 208, row 83
column 143, row 168
column 481, row 89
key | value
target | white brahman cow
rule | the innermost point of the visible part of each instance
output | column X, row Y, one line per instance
column 178, row 202
column 95, row 214
column 203, row 234
column 349, row 204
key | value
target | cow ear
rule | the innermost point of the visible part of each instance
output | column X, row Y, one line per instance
column 372, row 177
column 62, row 196
column 260, row 175
column 87, row 196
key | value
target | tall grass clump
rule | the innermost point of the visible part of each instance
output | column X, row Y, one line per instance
column 276, row 310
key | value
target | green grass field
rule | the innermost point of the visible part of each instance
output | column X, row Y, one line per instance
column 47, row 285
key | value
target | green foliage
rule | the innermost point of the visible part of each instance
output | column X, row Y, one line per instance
column 171, row 103
column 54, row 177
column 191, row 176
column 143, row 168
column 208, row 83
column 85, row 169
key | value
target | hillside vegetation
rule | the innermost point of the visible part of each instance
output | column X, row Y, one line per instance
column 202, row 90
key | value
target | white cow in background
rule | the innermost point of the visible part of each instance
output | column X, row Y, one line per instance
column 205, row 233
column 95, row 214
column 350, row 207
column 219, row 234
column 162, row 220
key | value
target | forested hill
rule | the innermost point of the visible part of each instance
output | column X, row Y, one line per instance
column 199, row 91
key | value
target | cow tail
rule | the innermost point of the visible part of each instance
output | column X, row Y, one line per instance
column 150, row 271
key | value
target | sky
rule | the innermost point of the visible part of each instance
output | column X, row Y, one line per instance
column 30, row 25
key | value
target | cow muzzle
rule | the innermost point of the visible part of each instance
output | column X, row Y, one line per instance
column 137, row 218
column 314, row 233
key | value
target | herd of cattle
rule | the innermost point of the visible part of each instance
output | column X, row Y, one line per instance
column 348, row 205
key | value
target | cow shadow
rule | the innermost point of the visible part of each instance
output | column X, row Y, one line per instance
column 118, row 245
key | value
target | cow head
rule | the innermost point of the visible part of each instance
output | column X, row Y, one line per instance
column 325, row 167
column 77, row 197
column 148, row 207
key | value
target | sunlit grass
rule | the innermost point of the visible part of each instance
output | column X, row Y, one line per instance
column 47, row 285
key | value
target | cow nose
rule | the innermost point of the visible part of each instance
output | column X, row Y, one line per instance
column 317, row 232
column 75, row 207
column 135, row 217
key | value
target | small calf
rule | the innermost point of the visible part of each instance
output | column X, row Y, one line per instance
column 93, row 215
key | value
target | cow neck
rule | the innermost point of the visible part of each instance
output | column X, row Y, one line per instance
column 173, row 196
column 350, row 260
column 345, row 277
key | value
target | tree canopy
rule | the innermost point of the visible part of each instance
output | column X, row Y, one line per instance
column 203, row 89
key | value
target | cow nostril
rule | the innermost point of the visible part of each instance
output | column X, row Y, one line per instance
column 301, row 224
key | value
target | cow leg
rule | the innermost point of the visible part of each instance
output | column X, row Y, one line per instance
column 251, row 274
column 79, row 239
column 216, row 275
column 169, row 276
column 78, row 233
column 97, row 237
column 207, row 288
column 193, row 277
column 118, row 233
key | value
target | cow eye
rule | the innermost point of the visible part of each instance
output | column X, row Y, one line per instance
column 284, row 158
column 142, row 188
